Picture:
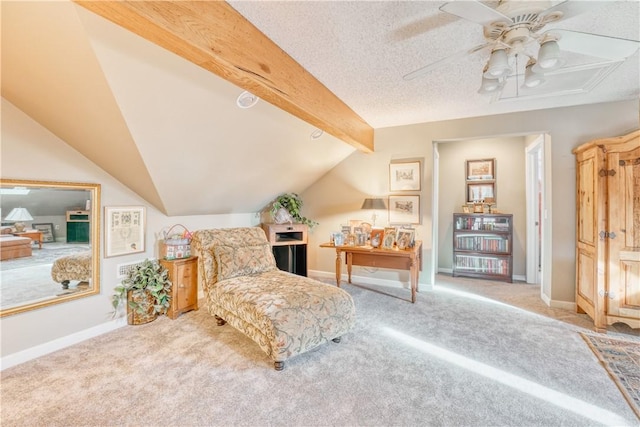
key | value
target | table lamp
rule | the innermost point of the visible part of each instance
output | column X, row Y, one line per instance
column 18, row 215
column 373, row 204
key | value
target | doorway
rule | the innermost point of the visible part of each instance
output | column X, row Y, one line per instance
column 536, row 216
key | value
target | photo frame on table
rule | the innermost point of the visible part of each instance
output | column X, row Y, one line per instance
column 480, row 170
column 47, row 231
column 405, row 237
column 481, row 191
column 124, row 230
column 389, row 238
column 404, row 209
column 377, row 237
column 404, row 175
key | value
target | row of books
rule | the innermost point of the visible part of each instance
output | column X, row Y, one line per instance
column 480, row 224
column 482, row 265
column 482, row 243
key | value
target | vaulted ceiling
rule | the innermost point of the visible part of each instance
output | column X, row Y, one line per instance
column 161, row 115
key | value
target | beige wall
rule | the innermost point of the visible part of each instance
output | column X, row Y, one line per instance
column 509, row 155
column 31, row 152
column 338, row 195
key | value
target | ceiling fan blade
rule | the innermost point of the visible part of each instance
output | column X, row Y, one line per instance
column 444, row 61
column 475, row 12
column 570, row 8
column 596, row 45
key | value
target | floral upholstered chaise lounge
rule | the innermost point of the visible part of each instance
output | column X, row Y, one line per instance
column 72, row 267
column 285, row 314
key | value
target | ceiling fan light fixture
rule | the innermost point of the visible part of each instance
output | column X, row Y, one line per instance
column 549, row 57
column 489, row 85
column 531, row 78
column 498, row 65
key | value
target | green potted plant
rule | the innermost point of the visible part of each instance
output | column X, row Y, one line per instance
column 147, row 290
column 292, row 203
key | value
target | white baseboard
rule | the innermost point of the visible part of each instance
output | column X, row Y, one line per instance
column 565, row 305
column 368, row 280
column 60, row 343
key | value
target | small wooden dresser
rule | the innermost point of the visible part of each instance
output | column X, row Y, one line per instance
column 183, row 274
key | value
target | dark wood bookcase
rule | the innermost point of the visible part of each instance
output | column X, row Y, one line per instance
column 482, row 246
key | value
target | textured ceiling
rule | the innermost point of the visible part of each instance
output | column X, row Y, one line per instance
column 167, row 128
column 361, row 50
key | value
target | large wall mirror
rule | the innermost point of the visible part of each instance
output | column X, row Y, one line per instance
column 49, row 243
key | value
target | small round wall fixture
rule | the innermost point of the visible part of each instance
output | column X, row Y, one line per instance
column 316, row 134
column 247, row 100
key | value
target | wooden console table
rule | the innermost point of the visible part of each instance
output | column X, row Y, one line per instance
column 34, row 235
column 367, row 256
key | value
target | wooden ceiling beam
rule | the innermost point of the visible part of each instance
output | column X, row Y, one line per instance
column 216, row 37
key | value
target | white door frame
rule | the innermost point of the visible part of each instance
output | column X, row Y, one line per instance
column 534, row 153
column 434, row 213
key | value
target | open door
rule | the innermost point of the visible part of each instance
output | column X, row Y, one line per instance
column 538, row 182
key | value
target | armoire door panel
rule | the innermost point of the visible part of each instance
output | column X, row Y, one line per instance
column 624, row 246
column 586, row 282
column 586, row 202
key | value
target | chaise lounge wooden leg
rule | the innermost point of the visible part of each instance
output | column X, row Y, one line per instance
column 220, row 320
column 278, row 365
column 65, row 284
column 336, row 339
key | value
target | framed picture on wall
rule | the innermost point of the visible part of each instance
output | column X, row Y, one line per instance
column 404, row 176
column 404, row 209
column 47, row 231
column 479, row 170
column 480, row 192
column 124, row 230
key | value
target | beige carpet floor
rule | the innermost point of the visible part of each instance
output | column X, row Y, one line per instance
column 460, row 356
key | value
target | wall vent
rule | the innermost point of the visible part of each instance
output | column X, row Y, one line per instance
column 124, row 269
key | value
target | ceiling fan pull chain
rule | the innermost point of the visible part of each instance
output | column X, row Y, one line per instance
column 517, row 82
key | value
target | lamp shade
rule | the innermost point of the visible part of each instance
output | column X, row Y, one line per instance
column 549, row 57
column 498, row 65
column 531, row 78
column 19, row 214
column 373, row 204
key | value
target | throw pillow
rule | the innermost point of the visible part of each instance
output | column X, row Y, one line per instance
column 234, row 261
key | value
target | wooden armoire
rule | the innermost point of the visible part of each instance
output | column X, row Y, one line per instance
column 608, row 230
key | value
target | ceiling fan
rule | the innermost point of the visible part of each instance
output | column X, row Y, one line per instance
column 526, row 56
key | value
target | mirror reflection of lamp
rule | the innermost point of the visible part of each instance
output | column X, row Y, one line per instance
column 18, row 215
column 373, row 204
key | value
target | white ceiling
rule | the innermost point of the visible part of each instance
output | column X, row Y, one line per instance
column 168, row 129
column 361, row 50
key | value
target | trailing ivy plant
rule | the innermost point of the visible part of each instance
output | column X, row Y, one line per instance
column 293, row 204
column 150, row 277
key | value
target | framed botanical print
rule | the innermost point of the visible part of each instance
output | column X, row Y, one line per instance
column 404, row 209
column 124, row 230
column 404, row 176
